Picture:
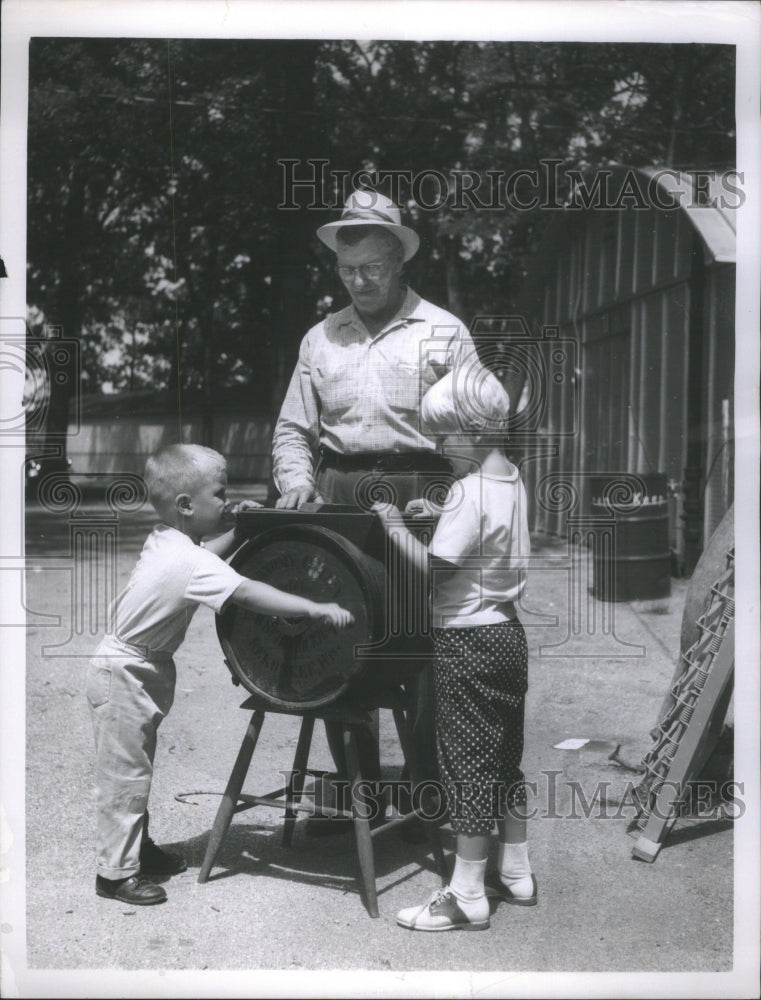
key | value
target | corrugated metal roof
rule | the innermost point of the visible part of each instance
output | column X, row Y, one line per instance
column 714, row 220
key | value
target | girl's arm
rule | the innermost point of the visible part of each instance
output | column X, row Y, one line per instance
column 393, row 523
column 254, row 595
column 411, row 547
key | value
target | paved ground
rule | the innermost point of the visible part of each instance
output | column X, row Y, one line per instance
column 295, row 914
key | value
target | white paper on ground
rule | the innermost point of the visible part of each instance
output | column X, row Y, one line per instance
column 572, row 744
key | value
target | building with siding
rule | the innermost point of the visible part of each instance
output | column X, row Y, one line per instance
column 640, row 294
column 117, row 432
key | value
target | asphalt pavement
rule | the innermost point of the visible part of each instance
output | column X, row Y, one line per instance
column 276, row 921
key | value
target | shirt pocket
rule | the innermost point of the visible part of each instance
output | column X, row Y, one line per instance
column 406, row 386
column 98, row 689
column 337, row 387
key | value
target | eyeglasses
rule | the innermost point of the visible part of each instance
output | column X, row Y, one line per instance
column 368, row 272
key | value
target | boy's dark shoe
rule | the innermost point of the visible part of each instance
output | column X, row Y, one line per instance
column 154, row 861
column 135, row 890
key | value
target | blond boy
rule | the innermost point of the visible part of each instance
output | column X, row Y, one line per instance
column 131, row 680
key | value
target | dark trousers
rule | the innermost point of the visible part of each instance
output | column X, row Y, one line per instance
column 361, row 488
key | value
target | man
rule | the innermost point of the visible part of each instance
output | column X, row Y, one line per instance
column 350, row 422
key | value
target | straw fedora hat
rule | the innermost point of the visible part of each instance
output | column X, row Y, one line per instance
column 369, row 208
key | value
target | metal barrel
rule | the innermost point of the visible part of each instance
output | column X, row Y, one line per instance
column 299, row 663
column 632, row 561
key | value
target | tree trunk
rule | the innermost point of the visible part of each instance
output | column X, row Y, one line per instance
column 677, row 102
column 296, row 138
column 454, row 289
column 62, row 351
column 174, row 383
column 206, row 318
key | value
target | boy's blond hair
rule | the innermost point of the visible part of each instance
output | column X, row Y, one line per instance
column 179, row 468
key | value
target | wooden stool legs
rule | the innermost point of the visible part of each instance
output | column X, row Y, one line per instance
column 229, row 804
column 362, row 834
column 288, row 798
column 297, row 778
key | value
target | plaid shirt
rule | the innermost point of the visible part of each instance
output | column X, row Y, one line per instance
column 352, row 392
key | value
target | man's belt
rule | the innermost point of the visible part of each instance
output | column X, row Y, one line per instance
column 385, row 461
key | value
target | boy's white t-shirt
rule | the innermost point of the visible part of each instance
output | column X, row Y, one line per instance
column 171, row 578
column 483, row 530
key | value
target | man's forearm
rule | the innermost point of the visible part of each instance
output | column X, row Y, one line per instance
column 292, row 460
column 297, row 431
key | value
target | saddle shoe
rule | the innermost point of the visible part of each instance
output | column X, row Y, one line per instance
column 441, row 912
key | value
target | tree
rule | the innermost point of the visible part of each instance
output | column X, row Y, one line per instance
column 157, row 234
column 84, row 219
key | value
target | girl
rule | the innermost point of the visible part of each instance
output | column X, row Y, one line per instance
column 476, row 560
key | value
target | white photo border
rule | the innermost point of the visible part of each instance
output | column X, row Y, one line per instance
column 737, row 24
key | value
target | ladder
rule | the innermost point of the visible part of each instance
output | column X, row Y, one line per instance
column 691, row 720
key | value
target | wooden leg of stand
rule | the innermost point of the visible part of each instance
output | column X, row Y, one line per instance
column 410, row 758
column 362, row 834
column 296, row 780
column 230, row 798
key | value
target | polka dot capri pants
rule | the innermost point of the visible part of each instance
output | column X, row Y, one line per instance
column 481, row 679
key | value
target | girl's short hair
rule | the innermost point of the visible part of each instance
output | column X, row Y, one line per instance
column 179, row 468
column 470, row 398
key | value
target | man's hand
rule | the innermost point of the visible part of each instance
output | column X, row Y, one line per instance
column 293, row 499
column 333, row 614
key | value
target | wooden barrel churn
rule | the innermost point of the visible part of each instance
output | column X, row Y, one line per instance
column 333, row 554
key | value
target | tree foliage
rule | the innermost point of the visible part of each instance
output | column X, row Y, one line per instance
column 155, row 180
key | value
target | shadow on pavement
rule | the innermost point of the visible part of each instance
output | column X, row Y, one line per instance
column 254, row 849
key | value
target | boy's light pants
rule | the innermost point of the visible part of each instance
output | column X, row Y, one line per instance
column 128, row 695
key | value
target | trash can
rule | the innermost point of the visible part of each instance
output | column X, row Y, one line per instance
column 632, row 561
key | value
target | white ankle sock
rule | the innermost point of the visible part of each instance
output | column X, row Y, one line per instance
column 515, row 869
column 468, row 886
